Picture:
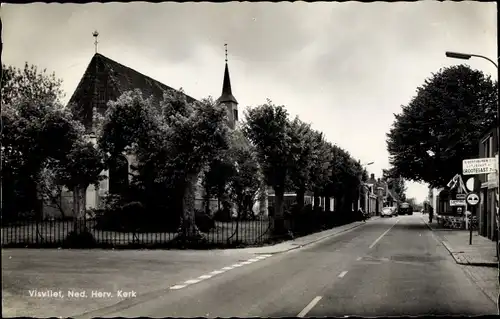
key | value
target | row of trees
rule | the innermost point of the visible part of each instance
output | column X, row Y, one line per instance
column 45, row 147
column 442, row 125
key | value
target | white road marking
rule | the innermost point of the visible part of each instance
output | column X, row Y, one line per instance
column 178, row 287
column 216, row 272
column 358, row 259
column 309, row 307
column 342, row 274
column 376, row 240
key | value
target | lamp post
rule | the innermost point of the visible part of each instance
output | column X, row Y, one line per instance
column 467, row 56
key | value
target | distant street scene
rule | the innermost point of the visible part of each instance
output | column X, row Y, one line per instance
column 250, row 160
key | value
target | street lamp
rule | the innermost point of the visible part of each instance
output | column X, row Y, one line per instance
column 467, row 56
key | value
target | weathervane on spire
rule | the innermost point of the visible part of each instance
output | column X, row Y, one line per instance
column 95, row 34
column 225, row 45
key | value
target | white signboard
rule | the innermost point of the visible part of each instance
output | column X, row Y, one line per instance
column 457, row 202
column 479, row 166
column 473, row 199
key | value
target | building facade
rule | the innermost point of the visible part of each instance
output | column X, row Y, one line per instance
column 487, row 221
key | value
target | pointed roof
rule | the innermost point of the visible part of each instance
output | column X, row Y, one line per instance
column 227, row 94
column 122, row 79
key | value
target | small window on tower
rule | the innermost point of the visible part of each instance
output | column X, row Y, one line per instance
column 235, row 113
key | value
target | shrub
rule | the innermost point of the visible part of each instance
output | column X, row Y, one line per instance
column 204, row 222
column 81, row 239
column 224, row 214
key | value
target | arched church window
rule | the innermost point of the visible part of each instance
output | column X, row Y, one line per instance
column 118, row 175
column 235, row 114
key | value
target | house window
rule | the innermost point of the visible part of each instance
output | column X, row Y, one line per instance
column 235, row 115
column 487, row 146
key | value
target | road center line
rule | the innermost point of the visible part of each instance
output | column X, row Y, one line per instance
column 342, row 274
column 177, row 287
column 309, row 307
column 376, row 240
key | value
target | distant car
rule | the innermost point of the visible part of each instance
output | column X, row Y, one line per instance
column 387, row 212
column 406, row 209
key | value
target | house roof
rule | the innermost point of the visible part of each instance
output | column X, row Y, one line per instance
column 125, row 79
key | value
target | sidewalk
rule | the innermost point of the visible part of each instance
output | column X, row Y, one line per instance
column 482, row 252
column 307, row 240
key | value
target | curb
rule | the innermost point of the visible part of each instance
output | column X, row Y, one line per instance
column 453, row 254
column 316, row 240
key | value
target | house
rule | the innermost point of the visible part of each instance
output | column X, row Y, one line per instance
column 105, row 80
column 371, row 197
column 486, row 212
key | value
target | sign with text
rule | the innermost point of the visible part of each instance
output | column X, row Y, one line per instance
column 460, row 196
column 457, row 202
column 479, row 166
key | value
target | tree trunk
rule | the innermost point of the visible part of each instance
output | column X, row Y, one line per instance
column 316, row 200
column 188, row 228
column 278, row 218
column 301, row 193
column 79, row 203
column 207, row 202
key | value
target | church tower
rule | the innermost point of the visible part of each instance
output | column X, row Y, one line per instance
column 228, row 99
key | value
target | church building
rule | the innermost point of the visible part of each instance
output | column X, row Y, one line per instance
column 106, row 80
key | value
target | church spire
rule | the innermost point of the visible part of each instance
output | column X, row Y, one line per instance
column 227, row 94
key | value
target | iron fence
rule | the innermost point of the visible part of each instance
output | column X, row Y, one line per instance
column 55, row 233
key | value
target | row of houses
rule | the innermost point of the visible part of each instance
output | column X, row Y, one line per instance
column 486, row 211
column 377, row 196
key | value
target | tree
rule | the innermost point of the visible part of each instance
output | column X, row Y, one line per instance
column 81, row 167
column 442, row 124
column 30, row 103
column 345, row 178
column 245, row 183
column 395, row 183
column 36, row 132
column 302, row 147
column 173, row 145
column 268, row 128
column 216, row 178
column 319, row 170
column 29, row 84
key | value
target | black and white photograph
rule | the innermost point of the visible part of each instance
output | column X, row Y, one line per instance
column 249, row 159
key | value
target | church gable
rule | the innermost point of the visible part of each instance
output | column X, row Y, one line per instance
column 105, row 80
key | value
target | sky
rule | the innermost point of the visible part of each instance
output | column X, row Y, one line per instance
column 346, row 68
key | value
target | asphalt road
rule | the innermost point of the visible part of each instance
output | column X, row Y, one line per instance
column 388, row 267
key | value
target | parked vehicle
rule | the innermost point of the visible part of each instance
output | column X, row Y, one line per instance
column 387, row 212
